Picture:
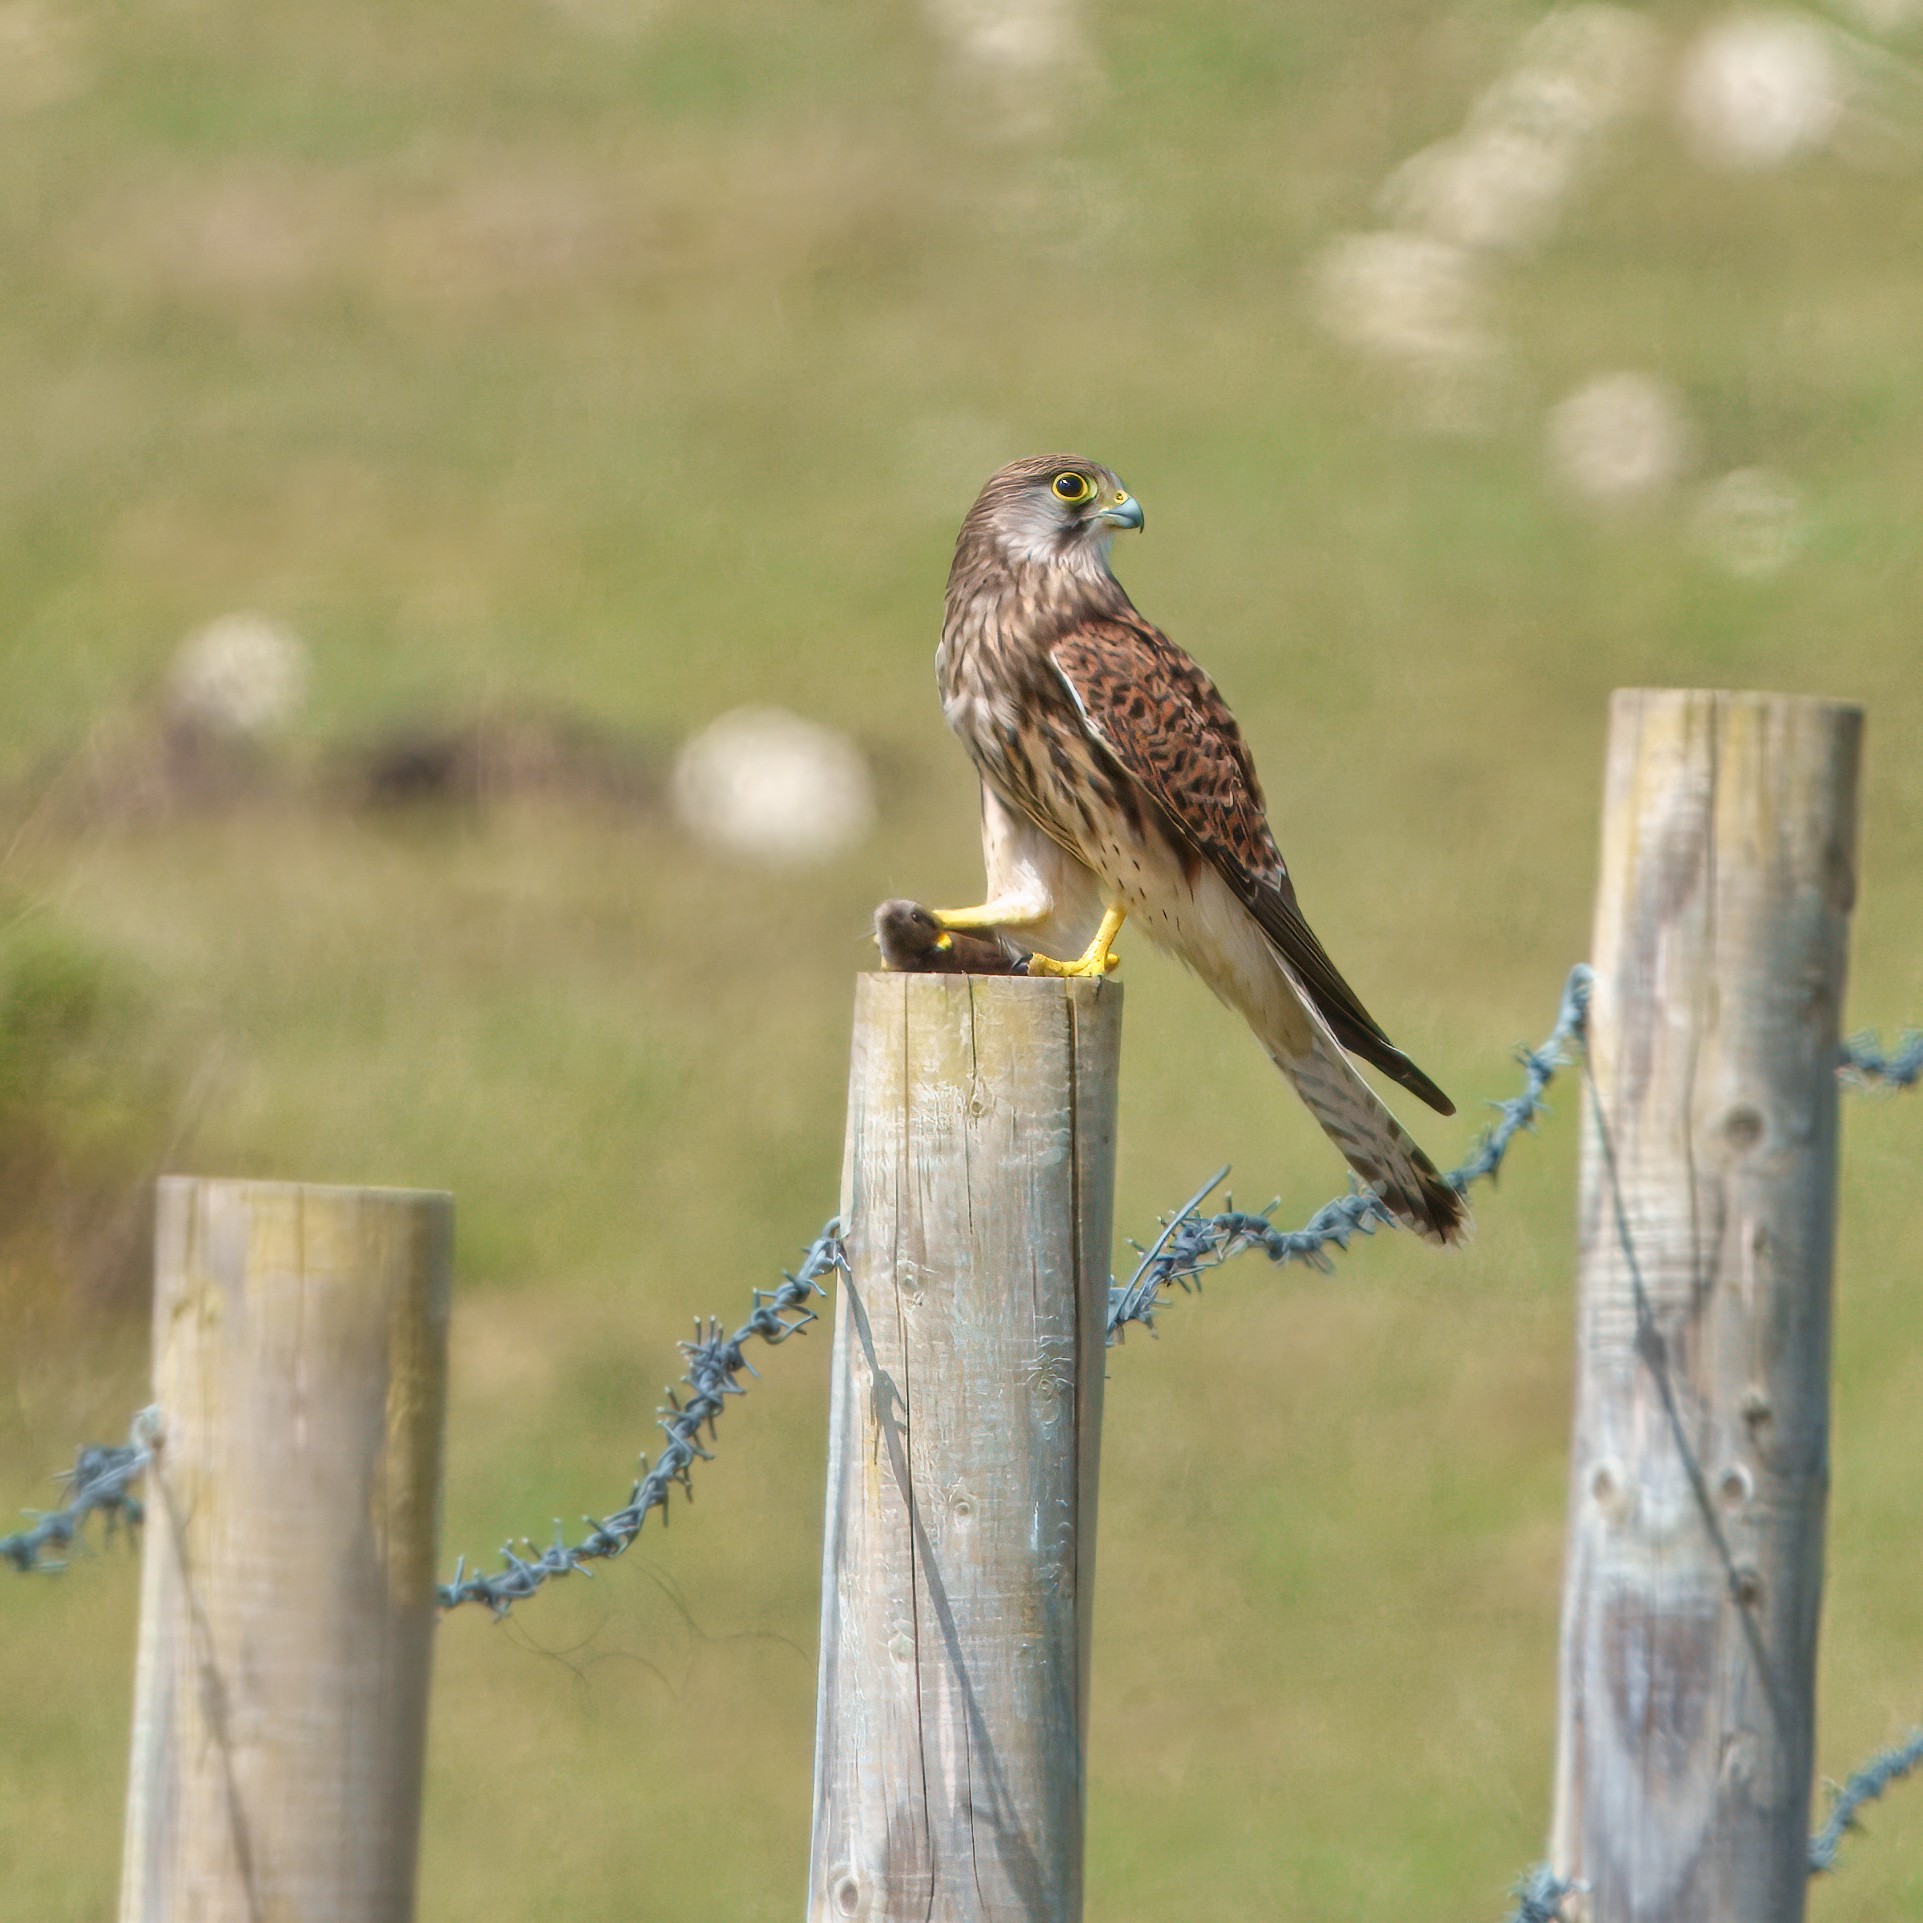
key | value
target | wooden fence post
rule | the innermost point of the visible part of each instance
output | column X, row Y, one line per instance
column 287, row 1600
column 977, row 1193
column 1699, row 1466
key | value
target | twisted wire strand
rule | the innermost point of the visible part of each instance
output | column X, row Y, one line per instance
column 101, row 1478
column 716, row 1363
column 1192, row 1243
column 1865, row 1786
column 1867, row 1064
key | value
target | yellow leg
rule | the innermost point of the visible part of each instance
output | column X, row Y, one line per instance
column 1096, row 959
column 1020, row 913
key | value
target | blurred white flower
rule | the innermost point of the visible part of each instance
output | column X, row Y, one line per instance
column 1419, row 305
column 1580, row 70
column 1031, row 57
column 1578, row 73
column 765, row 783
column 1014, row 36
column 1406, row 297
column 1501, row 181
column 1619, row 439
column 1757, row 89
column 1750, row 521
column 1496, row 187
column 241, row 676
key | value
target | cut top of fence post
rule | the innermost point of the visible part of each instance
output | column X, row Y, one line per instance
column 1699, row 1463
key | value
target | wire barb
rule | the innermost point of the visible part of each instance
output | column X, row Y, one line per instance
column 101, row 1476
column 1887, row 1767
column 1540, row 1896
column 1866, row 1064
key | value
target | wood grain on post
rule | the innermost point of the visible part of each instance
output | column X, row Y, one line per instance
column 969, row 1347
column 288, row 1601
column 1699, row 1467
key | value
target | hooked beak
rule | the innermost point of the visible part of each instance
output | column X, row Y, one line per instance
column 1124, row 511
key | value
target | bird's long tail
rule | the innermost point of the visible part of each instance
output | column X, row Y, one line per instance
column 1380, row 1150
column 1223, row 944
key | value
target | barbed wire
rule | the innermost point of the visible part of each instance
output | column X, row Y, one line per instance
column 716, row 1363
column 1868, row 1065
column 1540, row 1896
column 101, row 1477
column 1191, row 1243
column 1865, row 1786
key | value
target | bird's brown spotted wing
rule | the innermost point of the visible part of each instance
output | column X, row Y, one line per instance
column 1165, row 724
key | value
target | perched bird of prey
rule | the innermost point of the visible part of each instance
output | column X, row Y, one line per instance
column 1115, row 782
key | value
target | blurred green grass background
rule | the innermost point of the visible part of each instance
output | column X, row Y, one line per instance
column 640, row 360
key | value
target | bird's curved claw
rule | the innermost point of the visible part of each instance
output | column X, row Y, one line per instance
column 1089, row 967
column 1096, row 960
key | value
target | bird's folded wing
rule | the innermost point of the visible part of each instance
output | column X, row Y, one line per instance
column 1161, row 718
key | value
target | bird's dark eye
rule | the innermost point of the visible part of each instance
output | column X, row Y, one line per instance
column 1073, row 488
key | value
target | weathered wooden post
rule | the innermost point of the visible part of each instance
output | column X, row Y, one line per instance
column 969, row 1343
column 1700, row 1461
column 287, row 1602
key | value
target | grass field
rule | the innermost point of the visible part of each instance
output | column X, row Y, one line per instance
column 640, row 359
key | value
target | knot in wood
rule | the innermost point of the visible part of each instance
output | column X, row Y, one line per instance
column 1610, row 1486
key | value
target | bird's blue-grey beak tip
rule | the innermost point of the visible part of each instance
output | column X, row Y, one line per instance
column 1127, row 512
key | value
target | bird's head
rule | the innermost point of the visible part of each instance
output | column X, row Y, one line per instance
column 1055, row 509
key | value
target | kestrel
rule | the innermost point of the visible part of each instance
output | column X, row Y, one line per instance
column 1115, row 782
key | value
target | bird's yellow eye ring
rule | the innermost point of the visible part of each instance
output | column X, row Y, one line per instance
column 1073, row 489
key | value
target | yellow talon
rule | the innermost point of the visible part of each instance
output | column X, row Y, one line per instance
column 1095, row 961
column 1084, row 966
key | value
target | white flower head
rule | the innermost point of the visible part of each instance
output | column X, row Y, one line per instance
column 1028, row 61
column 1750, row 522
column 1758, row 89
column 1407, row 297
column 1619, row 439
column 1581, row 69
column 243, row 676
column 1013, row 36
column 767, row 784
column 1495, row 187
